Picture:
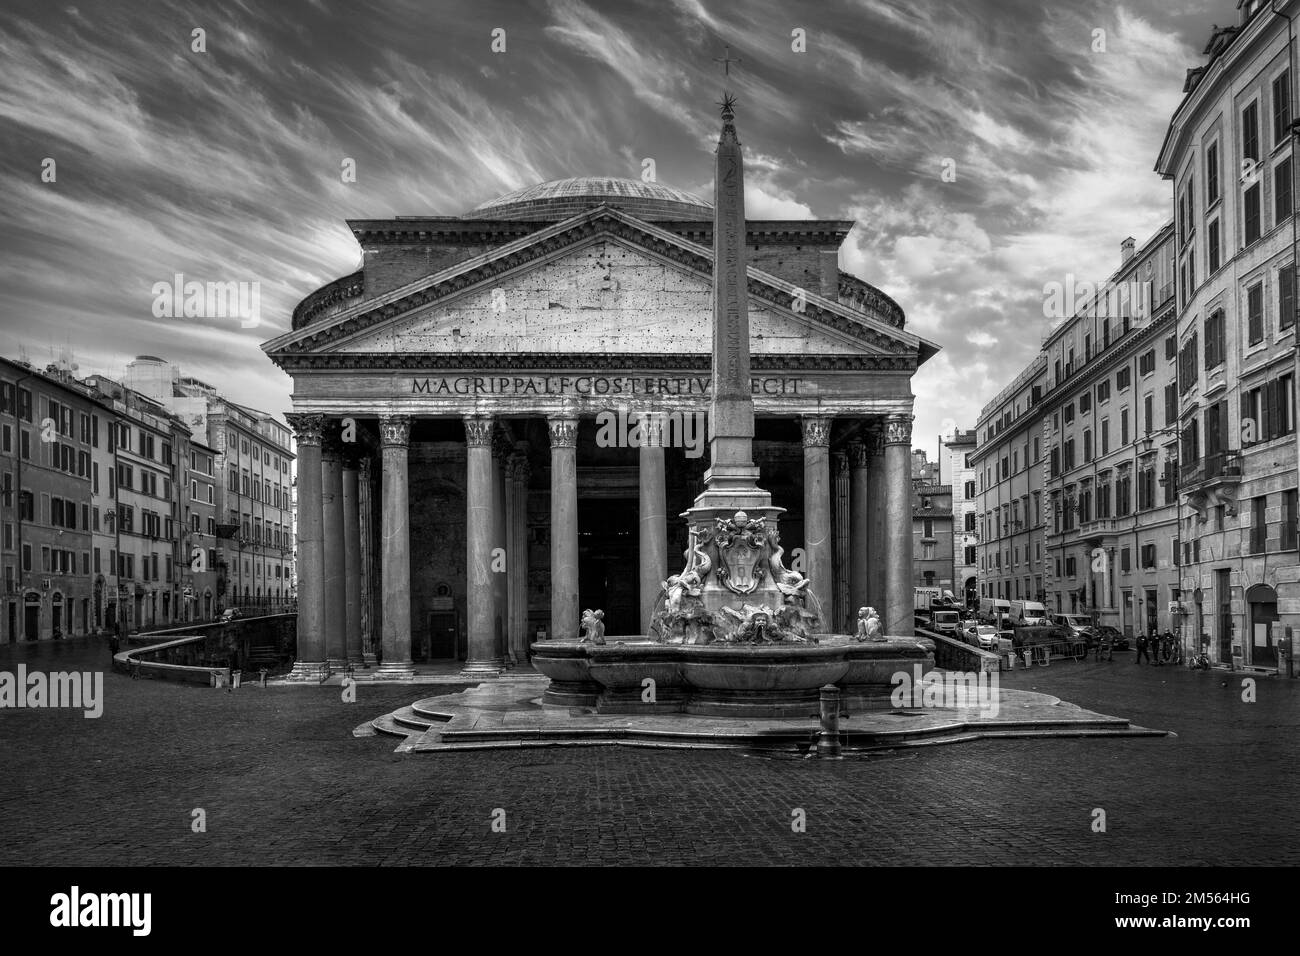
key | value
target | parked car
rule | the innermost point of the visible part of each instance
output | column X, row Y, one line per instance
column 230, row 614
column 986, row 637
column 1075, row 623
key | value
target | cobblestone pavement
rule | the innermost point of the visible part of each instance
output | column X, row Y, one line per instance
column 282, row 780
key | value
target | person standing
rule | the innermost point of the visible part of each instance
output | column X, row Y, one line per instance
column 1141, row 649
column 1153, row 645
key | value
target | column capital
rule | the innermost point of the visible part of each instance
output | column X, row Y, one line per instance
column 653, row 426
column 331, row 439
column 306, row 427
column 859, row 453
column 518, row 469
column 816, row 431
column 898, row 429
column 395, row 430
column 563, row 432
column 478, row 430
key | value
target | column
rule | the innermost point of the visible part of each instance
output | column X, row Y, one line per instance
column 840, row 513
column 352, row 560
column 310, row 662
column 859, row 526
column 876, row 555
column 336, row 610
column 500, row 559
column 899, row 603
column 652, row 511
column 395, row 560
column 817, row 510
column 484, row 658
column 564, row 528
column 366, row 509
column 517, row 532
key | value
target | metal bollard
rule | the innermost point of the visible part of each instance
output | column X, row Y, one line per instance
column 828, row 741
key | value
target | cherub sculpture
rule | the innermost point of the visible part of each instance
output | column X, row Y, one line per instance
column 868, row 625
column 593, row 623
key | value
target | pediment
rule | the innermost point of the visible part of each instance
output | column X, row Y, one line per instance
column 603, row 296
column 600, row 283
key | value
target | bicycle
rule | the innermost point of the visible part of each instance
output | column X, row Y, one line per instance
column 1199, row 661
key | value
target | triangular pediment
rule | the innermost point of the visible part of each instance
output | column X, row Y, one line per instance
column 601, row 283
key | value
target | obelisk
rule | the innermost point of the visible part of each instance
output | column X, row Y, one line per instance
column 732, row 478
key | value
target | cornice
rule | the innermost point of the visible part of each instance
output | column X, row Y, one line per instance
column 426, row 363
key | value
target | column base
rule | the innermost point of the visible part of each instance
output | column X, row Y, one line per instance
column 478, row 669
column 308, row 671
column 369, row 660
column 401, row 670
column 337, row 664
column 358, row 660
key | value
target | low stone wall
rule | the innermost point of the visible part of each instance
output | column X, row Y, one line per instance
column 954, row 655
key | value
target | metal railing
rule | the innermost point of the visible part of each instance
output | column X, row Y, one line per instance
column 1221, row 465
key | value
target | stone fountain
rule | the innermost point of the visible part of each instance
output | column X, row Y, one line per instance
column 735, row 633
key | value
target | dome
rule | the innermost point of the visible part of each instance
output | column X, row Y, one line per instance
column 563, row 198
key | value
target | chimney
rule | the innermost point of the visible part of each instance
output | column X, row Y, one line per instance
column 1126, row 250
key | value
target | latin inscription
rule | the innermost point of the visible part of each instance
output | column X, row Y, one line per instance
column 625, row 385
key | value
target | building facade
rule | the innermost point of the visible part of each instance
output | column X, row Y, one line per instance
column 46, row 439
column 484, row 360
column 957, row 470
column 253, row 466
column 1229, row 156
column 932, row 535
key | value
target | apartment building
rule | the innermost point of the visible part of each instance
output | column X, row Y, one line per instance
column 958, row 472
column 46, row 442
column 253, row 468
column 1007, row 462
column 932, row 535
column 1109, row 421
column 1229, row 155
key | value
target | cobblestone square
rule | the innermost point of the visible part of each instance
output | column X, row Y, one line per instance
column 282, row 781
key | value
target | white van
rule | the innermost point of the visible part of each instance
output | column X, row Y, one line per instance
column 1031, row 612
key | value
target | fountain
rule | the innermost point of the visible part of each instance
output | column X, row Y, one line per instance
column 735, row 633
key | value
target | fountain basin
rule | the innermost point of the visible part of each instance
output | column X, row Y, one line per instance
column 725, row 680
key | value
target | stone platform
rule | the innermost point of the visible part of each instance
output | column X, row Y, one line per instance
column 508, row 713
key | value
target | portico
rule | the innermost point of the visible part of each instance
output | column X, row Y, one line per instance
column 479, row 501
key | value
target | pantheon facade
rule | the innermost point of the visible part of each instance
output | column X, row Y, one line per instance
column 501, row 416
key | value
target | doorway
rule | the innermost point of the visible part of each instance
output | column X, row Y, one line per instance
column 13, row 622
column 1153, row 612
column 1262, row 603
column 609, row 562
column 442, row 635
column 1223, row 597
column 56, row 616
column 32, row 618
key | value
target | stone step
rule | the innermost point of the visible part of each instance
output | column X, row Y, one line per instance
column 388, row 726
column 429, row 710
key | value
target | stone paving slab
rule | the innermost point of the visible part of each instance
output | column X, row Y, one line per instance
column 509, row 713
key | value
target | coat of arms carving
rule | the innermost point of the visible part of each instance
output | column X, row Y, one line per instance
column 742, row 550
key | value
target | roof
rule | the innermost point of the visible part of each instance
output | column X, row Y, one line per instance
column 563, row 198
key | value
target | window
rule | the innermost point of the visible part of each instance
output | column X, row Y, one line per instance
column 1269, row 409
column 1289, row 518
column 1211, row 173
column 1213, row 243
column 1171, row 404
column 1282, row 108
column 1125, row 561
column 1123, row 426
column 1252, row 214
column 1103, row 392
column 1255, row 313
column 1286, row 297
column 1282, row 191
column 1123, row 378
column 1105, row 435
column 1215, row 351
column 1187, row 366
column 1069, row 454
column 1085, row 403
column 1148, row 413
column 1258, row 524
column 1147, row 362
column 1250, row 132
column 1087, row 445
column 1148, row 556
column 1069, row 413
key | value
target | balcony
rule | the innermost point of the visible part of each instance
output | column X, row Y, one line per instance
column 1223, row 468
column 1097, row 528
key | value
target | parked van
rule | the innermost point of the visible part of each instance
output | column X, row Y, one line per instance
column 991, row 607
column 946, row 622
column 1028, row 612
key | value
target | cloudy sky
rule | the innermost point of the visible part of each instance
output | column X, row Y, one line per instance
column 226, row 164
